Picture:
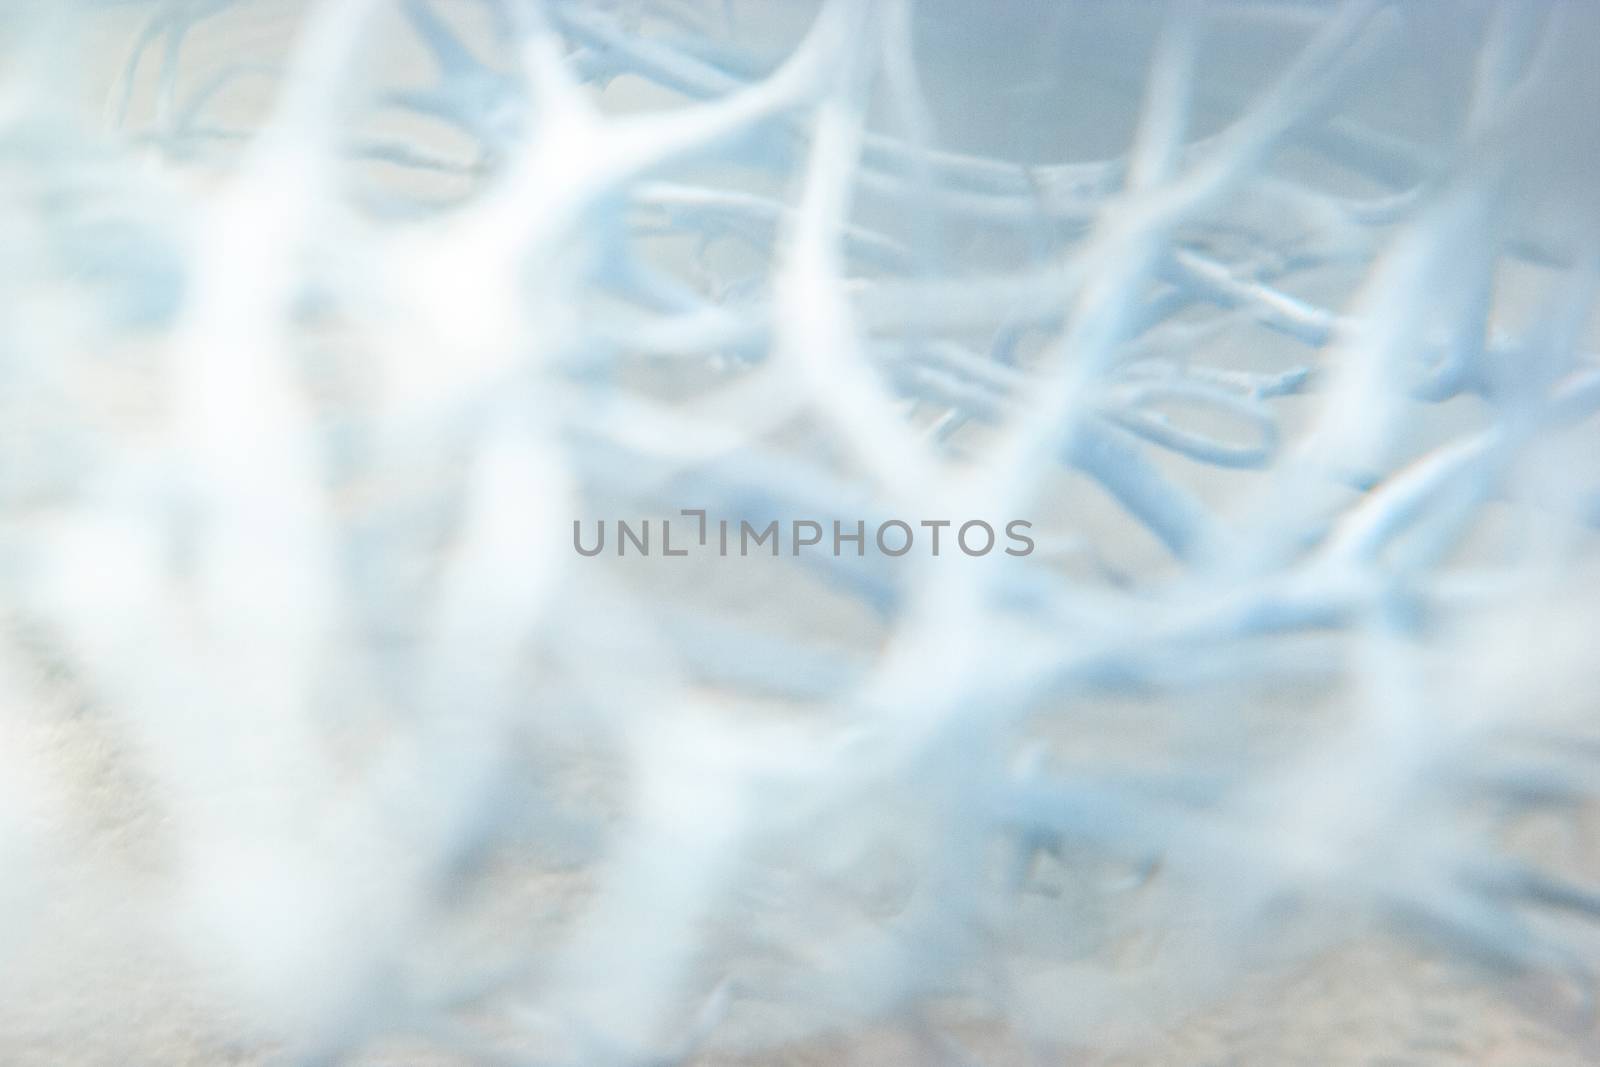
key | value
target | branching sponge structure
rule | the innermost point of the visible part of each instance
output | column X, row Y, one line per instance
column 624, row 532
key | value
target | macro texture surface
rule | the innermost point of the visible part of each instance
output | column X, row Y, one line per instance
column 631, row 532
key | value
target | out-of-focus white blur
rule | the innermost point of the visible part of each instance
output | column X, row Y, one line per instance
column 324, row 324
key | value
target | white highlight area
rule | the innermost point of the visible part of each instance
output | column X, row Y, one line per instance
column 333, row 333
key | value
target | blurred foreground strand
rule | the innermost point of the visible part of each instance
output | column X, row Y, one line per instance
column 304, row 400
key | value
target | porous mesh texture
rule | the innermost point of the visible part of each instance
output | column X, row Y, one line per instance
column 332, row 332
